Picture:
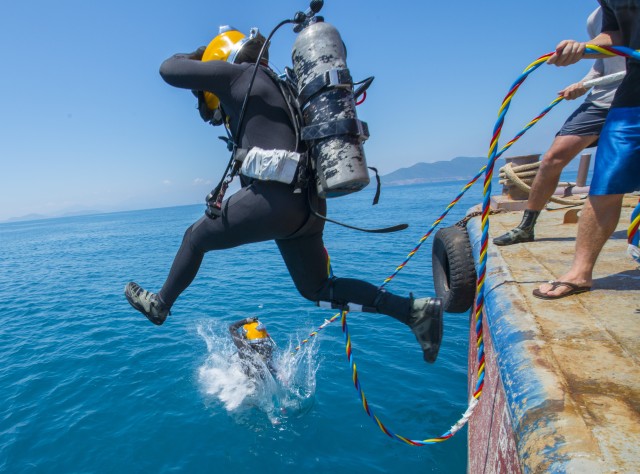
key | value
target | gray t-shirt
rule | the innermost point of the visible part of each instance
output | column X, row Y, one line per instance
column 602, row 95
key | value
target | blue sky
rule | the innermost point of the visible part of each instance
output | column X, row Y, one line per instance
column 88, row 124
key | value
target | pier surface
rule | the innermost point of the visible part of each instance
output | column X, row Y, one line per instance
column 562, row 388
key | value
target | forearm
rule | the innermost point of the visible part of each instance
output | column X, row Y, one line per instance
column 606, row 38
column 187, row 71
column 596, row 71
column 233, row 327
column 239, row 342
column 570, row 51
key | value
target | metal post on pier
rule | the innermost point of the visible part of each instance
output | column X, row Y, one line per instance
column 583, row 170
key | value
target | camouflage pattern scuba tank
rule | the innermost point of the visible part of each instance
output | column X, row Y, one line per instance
column 331, row 129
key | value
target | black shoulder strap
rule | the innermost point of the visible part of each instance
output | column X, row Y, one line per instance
column 290, row 95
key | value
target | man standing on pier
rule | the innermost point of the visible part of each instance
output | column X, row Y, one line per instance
column 617, row 167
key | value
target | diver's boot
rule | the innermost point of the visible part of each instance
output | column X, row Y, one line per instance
column 426, row 321
column 147, row 303
column 522, row 233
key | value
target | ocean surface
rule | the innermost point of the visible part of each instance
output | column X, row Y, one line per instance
column 89, row 385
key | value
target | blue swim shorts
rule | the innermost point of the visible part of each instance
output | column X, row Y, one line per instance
column 617, row 168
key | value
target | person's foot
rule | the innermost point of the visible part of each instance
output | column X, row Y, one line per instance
column 554, row 290
column 516, row 235
column 147, row 303
column 426, row 321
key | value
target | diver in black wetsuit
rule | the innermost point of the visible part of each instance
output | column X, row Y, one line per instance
column 269, row 210
column 253, row 341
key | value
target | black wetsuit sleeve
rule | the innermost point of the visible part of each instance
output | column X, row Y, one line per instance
column 609, row 21
column 187, row 72
column 240, row 343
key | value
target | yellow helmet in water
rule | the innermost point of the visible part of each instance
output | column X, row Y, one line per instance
column 255, row 332
column 234, row 47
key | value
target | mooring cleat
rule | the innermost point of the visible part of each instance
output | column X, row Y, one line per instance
column 147, row 303
column 426, row 322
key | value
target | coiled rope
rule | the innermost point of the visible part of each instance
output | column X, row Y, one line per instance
column 493, row 155
column 515, row 177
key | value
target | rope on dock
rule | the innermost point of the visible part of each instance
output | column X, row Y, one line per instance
column 515, row 177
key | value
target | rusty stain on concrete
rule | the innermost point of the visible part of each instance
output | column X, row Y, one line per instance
column 570, row 367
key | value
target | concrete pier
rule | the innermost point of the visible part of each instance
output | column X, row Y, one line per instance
column 562, row 383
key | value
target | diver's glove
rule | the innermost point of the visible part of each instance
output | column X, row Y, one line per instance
column 198, row 53
column 214, row 117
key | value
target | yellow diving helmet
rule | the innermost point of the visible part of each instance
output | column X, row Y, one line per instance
column 255, row 332
column 234, row 47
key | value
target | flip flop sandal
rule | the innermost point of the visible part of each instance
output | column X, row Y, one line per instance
column 573, row 290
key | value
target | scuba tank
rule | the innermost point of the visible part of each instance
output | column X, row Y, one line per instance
column 321, row 99
column 331, row 129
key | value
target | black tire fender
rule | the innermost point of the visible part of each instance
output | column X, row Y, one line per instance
column 454, row 271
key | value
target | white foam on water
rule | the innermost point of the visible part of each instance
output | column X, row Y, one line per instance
column 223, row 378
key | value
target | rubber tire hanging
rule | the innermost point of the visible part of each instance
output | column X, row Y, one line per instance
column 454, row 272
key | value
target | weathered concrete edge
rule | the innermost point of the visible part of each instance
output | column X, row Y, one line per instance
column 530, row 387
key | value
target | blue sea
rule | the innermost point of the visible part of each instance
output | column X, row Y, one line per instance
column 90, row 386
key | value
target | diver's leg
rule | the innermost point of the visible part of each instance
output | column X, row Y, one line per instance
column 253, row 214
column 307, row 262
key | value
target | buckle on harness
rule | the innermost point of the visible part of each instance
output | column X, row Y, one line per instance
column 335, row 77
column 338, row 77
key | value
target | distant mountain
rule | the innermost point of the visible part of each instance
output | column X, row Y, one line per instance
column 457, row 169
column 87, row 212
column 28, row 217
column 460, row 168
column 36, row 217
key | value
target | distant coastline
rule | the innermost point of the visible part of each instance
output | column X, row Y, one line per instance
column 457, row 169
column 37, row 217
column 460, row 168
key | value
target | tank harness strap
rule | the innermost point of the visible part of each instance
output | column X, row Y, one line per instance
column 336, row 77
column 347, row 126
column 376, row 198
column 287, row 87
column 384, row 230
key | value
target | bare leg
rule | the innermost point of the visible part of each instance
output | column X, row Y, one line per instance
column 563, row 149
column 598, row 221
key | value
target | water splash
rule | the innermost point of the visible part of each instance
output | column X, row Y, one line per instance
column 222, row 378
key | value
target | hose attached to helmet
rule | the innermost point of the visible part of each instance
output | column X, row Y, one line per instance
column 215, row 198
column 215, row 210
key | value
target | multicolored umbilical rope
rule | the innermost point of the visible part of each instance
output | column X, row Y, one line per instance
column 466, row 187
column 633, row 234
column 591, row 49
column 488, row 169
column 315, row 333
column 632, row 231
column 437, row 222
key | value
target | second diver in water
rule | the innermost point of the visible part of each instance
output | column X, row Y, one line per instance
column 255, row 346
